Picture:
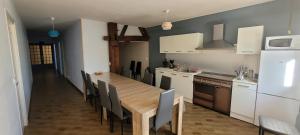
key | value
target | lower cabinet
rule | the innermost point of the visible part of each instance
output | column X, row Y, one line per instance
column 181, row 82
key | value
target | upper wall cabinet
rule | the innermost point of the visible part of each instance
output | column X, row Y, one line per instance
column 185, row 43
column 250, row 40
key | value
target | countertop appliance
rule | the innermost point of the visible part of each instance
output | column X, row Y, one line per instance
column 278, row 93
column 283, row 42
column 213, row 91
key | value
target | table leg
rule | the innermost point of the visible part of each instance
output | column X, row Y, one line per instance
column 177, row 118
column 140, row 124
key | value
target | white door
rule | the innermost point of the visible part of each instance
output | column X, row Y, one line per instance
column 279, row 74
column 17, row 69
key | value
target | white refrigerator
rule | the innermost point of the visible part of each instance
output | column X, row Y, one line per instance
column 278, row 93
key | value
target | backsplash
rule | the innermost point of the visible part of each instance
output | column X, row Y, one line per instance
column 221, row 61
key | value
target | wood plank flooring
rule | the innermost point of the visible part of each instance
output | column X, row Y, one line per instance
column 57, row 108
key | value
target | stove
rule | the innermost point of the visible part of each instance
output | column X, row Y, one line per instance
column 213, row 90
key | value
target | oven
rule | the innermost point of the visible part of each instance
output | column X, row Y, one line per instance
column 212, row 93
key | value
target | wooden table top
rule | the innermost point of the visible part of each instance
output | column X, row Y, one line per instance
column 134, row 95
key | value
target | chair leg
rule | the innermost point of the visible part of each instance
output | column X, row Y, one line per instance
column 101, row 114
column 95, row 103
column 91, row 100
column 111, row 122
column 121, row 127
column 170, row 123
column 261, row 131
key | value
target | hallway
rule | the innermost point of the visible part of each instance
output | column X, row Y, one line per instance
column 57, row 108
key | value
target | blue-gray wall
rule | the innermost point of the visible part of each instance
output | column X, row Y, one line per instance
column 273, row 15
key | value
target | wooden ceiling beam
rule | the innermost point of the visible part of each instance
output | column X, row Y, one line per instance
column 128, row 38
column 144, row 32
column 123, row 31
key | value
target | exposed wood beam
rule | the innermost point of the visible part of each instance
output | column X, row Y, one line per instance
column 144, row 32
column 123, row 31
column 114, row 51
column 129, row 38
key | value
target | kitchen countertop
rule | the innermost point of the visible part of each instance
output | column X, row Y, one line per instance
column 172, row 70
column 249, row 81
column 218, row 76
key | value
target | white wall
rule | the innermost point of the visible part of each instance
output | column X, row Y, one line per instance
column 73, row 54
column 10, row 123
column 221, row 61
column 137, row 51
column 85, row 49
column 95, row 49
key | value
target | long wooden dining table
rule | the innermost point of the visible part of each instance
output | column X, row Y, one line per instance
column 142, row 101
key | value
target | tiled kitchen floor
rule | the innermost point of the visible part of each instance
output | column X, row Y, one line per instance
column 58, row 109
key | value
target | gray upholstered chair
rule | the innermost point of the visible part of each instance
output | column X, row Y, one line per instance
column 164, row 111
column 88, row 96
column 148, row 78
column 94, row 92
column 116, row 108
column 165, row 83
column 104, row 98
column 278, row 127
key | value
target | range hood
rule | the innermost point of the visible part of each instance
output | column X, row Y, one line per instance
column 218, row 41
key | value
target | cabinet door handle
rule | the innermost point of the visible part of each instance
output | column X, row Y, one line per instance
column 162, row 72
column 174, row 74
column 245, row 86
column 166, row 51
column 178, row 51
column 185, row 76
column 190, row 51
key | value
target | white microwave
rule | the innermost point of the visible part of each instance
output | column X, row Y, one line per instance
column 291, row 42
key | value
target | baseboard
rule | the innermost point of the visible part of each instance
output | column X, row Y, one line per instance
column 78, row 90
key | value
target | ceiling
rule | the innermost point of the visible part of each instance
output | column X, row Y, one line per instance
column 36, row 13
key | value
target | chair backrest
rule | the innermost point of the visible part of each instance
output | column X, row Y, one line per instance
column 138, row 69
column 83, row 77
column 164, row 111
column 298, row 121
column 132, row 65
column 116, row 106
column 165, row 83
column 148, row 78
column 90, row 85
column 104, row 98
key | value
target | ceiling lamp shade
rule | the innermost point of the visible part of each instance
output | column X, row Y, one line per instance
column 166, row 25
column 53, row 33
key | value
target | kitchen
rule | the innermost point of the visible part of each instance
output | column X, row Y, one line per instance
column 219, row 47
column 152, row 67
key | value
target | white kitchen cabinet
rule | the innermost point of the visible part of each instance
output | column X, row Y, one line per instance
column 243, row 100
column 185, row 43
column 180, row 81
column 250, row 40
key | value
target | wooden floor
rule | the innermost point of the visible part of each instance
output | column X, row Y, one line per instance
column 57, row 108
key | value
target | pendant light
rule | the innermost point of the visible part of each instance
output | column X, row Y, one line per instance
column 290, row 17
column 166, row 25
column 53, row 33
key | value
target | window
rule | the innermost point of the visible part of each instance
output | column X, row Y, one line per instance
column 35, row 54
column 47, row 54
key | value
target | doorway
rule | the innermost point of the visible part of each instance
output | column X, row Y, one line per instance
column 17, row 76
column 42, row 55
